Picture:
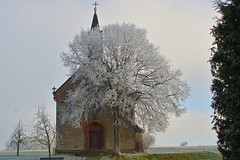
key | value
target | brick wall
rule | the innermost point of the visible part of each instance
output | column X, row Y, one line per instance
column 74, row 139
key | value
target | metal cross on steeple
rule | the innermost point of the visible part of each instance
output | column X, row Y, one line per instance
column 95, row 4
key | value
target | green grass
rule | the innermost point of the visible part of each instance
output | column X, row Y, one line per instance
column 171, row 156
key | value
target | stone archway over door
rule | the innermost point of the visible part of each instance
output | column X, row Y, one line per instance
column 96, row 136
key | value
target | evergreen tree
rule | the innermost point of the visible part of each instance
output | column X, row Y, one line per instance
column 225, row 68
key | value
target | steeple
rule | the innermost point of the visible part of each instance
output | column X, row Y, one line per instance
column 95, row 19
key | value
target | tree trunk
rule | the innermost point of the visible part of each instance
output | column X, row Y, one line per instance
column 116, row 131
column 49, row 151
column 18, row 149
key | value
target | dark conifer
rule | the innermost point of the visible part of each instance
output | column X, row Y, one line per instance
column 225, row 68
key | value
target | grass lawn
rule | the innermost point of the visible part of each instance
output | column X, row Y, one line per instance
column 35, row 155
column 170, row 156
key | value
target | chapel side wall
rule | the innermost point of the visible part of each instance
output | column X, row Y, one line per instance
column 69, row 139
column 127, row 134
column 139, row 142
column 108, row 133
column 127, row 138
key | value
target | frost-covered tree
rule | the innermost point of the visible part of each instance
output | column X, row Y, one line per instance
column 122, row 71
column 18, row 137
column 44, row 130
column 148, row 140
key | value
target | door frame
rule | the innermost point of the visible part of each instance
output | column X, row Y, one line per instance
column 87, row 129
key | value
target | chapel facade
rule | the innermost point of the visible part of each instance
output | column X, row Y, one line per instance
column 96, row 133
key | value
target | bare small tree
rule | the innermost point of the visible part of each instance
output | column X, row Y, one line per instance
column 183, row 144
column 18, row 137
column 44, row 131
column 148, row 140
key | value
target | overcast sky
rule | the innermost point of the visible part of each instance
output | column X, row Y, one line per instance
column 34, row 33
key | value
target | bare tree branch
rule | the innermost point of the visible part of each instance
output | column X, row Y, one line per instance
column 44, row 131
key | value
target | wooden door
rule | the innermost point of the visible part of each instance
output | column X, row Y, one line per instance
column 96, row 136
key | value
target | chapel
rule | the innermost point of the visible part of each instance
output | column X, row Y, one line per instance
column 97, row 132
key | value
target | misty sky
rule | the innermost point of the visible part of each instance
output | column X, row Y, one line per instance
column 34, row 33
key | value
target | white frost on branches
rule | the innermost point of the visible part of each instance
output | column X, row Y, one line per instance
column 148, row 140
column 118, row 66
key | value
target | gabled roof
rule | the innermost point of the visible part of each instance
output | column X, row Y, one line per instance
column 55, row 95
